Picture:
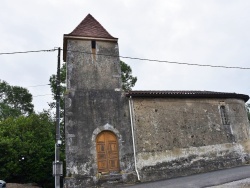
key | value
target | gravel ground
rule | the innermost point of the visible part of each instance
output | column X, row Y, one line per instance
column 245, row 183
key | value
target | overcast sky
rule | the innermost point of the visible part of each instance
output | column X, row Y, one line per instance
column 215, row 32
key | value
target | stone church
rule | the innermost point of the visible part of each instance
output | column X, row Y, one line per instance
column 142, row 136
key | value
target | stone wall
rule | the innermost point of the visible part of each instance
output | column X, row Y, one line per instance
column 176, row 137
column 88, row 71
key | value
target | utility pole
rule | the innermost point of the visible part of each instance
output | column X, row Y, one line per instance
column 57, row 165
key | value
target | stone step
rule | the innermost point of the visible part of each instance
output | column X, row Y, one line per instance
column 110, row 180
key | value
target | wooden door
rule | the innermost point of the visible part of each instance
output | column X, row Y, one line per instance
column 107, row 152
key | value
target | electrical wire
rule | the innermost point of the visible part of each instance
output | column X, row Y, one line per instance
column 41, row 95
column 38, row 85
column 135, row 58
column 25, row 52
column 164, row 61
column 182, row 102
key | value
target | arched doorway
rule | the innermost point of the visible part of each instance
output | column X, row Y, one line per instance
column 107, row 152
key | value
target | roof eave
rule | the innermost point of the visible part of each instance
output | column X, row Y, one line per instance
column 214, row 96
column 90, row 38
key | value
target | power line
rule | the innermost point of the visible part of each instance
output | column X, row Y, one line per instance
column 173, row 102
column 164, row 61
column 25, row 52
column 38, row 85
column 137, row 58
column 41, row 95
column 190, row 64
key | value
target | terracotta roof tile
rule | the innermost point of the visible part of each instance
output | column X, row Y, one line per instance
column 187, row 94
column 90, row 27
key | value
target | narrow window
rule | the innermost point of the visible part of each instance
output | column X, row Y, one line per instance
column 93, row 45
column 224, row 116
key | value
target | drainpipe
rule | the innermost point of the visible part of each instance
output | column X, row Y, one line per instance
column 133, row 136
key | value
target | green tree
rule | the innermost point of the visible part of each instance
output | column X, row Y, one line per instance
column 53, row 84
column 27, row 149
column 14, row 101
column 128, row 81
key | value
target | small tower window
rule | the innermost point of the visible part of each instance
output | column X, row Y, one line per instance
column 93, row 45
column 224, row 115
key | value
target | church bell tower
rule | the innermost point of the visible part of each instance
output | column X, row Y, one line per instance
column 97, row 123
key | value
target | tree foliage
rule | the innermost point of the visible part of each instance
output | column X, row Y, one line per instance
column 128, row 81
column 26, row 138
column 53, row 80
column 27, row 149
column 14, row 101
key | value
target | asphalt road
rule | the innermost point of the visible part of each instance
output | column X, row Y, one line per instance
column 200, row 180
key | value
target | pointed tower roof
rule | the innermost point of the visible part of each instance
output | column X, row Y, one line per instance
column 90, row 28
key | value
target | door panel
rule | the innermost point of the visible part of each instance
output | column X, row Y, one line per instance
column 107, row 152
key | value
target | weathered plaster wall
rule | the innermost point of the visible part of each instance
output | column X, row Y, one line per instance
column 94, row 103
column 177, row 137
column 86, row 72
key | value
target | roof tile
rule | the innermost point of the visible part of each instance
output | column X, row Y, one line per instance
column 90, row 27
